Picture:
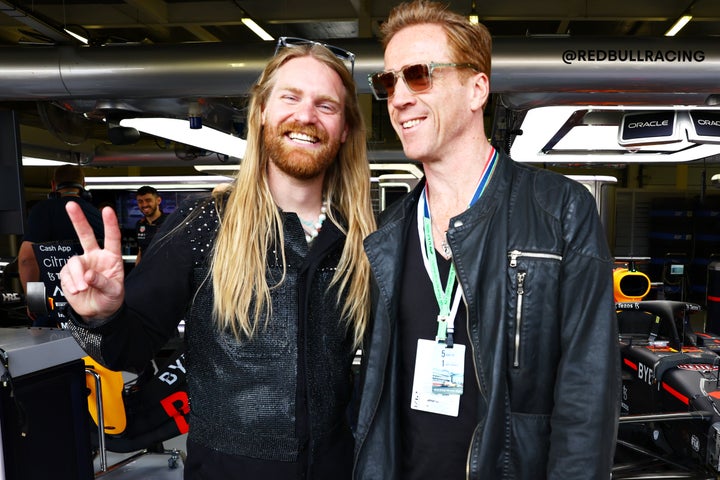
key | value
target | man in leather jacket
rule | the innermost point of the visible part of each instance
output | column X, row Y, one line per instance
column 493, row 348
column 269, row 275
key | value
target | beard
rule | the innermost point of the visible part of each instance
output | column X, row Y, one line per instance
column 296, row 161
column 151, row 212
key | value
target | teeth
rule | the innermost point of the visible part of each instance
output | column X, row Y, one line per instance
column 411, row 123
column 302, row 137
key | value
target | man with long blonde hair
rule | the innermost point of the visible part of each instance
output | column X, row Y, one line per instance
column 269, row 274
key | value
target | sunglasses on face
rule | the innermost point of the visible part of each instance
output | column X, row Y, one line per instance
column 345, row 55
column 417, row 77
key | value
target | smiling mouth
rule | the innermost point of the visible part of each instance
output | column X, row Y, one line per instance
column 302, row 137
column 411, row 123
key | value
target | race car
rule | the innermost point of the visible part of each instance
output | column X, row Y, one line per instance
column 670, row 406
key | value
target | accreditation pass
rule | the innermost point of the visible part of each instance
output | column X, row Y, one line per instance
column 439, row 377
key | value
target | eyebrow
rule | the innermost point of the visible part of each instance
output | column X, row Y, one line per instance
column 321, row 98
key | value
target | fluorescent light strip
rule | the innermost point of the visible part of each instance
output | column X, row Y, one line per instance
column 76, row 36
column 169, row 182
column 178, row 130
column 217, row 168
column 678, row 25
column 42, row 162
column 257, row 29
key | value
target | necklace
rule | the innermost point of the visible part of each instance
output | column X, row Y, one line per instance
column 312, row 228
column 446, row 252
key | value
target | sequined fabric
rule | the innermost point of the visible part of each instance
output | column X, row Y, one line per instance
column 252, row 385
column 243, row 395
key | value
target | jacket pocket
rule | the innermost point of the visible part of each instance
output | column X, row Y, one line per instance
column 526, row 266
column 530, row 446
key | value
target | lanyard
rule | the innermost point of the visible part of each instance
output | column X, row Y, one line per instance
column 443, row 295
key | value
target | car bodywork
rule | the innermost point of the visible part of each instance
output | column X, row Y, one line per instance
column 670, row 405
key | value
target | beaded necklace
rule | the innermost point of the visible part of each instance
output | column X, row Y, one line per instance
column 312, row 228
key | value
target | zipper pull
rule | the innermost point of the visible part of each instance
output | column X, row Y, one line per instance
column 521, row 283
column 513, row 256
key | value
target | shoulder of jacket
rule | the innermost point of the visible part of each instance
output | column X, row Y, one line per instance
column 546, row 183
column 549, row 191
column 401, row 207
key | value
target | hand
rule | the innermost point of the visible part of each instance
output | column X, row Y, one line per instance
column 93, row 283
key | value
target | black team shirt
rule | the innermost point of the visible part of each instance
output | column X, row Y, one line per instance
column 145, row 231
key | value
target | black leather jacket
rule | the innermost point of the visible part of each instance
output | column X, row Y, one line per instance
column 549, row 408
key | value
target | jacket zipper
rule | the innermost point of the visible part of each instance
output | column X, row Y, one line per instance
column 518, row 316
column 513, row 256
column 467, row 461
column 477, row 380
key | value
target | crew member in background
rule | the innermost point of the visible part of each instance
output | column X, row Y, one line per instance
column 48, row 222
column 148, row 201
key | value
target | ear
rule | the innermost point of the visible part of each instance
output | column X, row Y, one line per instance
column 262, row 117
column 345, row 132
column 480, row 91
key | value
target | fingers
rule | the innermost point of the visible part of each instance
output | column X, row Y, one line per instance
column 113, row 237
column 83, row 229
column 72, row 276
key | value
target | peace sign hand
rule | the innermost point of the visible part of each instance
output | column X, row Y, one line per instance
column 93, row 283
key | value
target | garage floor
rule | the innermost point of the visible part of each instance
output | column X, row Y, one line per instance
column 145, row 466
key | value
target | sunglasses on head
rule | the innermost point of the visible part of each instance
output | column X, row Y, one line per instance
column 417, row 77
column 344, row 55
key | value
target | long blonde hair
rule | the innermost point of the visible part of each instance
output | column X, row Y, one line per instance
column 251, row 223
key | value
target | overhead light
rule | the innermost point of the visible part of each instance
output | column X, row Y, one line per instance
column 715, row 179
column 76, row 36
column 179, row 130
column 409, row 168
column 167, row 182
column 473, row 17
column 678, row 25
column 257, row 29
column 230, row 169
column 42, row 162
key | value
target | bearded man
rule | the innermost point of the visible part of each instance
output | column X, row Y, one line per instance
column 269, row 275
column 148, row 202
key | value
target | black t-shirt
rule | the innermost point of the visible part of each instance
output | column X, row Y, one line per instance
column 49, row 222
column 145, row 231
column 433, row 446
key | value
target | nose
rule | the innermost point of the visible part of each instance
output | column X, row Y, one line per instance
column 305, row 112
column 402, row 95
